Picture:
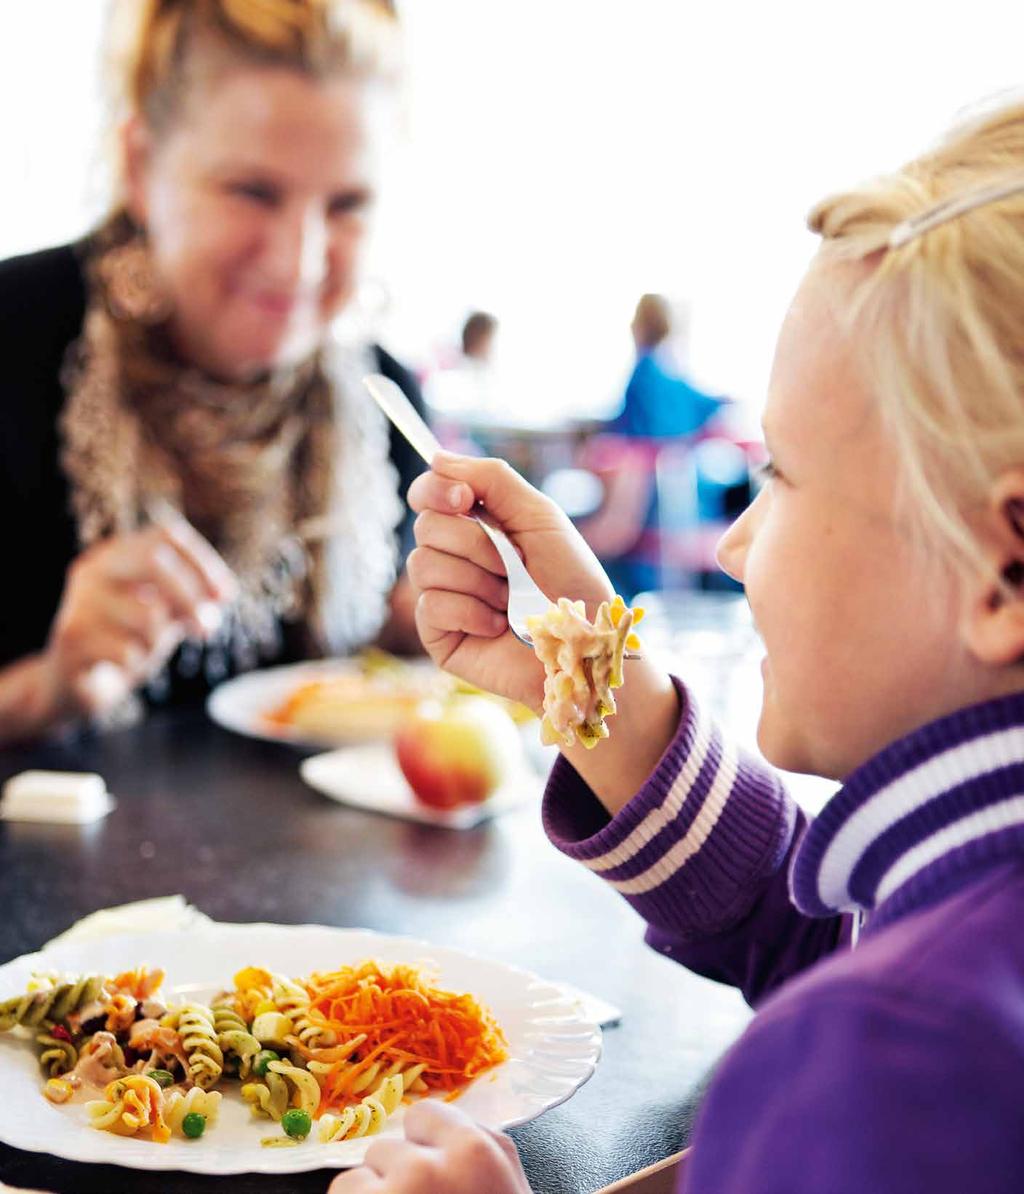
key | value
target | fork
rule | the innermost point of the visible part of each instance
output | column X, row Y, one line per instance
column 525, row 597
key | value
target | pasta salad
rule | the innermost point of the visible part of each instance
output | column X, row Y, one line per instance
column 342, row 1049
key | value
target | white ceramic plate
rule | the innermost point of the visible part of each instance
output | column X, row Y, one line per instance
column 369, row 777
column 243, row 704
column 552, row 1049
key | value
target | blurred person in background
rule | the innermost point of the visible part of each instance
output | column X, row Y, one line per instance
column 478, row 334
column 463, row 390
column 631, row 532
column 175, row 403
column 659, row 402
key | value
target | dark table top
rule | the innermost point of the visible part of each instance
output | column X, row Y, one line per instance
column 227, row 822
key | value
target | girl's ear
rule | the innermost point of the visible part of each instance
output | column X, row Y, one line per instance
column 136, row 152
column 994, row 629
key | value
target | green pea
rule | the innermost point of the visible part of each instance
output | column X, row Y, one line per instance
column 193, row 1125
column 163, row 1078
column 263, row 1060
column 297, row 1124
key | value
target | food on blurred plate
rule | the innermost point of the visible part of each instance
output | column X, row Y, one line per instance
column 370, row 702
column 346, row 706
column 371, row 699
column 347, row 1048
column 458, row 751
column 582, row 664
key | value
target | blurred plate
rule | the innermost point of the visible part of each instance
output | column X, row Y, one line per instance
column 246, row 704
column 368, row 777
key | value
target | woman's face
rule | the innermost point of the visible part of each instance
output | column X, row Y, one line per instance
column 255, row 201
column 861, row 635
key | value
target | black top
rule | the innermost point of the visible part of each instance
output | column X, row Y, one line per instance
column 42, row 308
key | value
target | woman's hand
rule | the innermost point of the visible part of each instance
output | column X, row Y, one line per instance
column 128, row 603
column 444, row 1152
column 463, row 594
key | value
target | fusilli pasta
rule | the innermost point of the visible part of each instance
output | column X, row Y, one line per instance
column 367, row 1117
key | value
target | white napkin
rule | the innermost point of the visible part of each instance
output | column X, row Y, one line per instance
column 61, row 797
column 165, row 914
column 173, row 914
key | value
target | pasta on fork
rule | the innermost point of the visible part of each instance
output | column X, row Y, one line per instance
column 582, row 663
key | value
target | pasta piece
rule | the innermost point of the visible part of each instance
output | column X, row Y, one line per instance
column 252, row 992
column 292, row 1000
column 120, row 1012
column 54, row 1003
column 194, row 1022
column 283, row 1086
column 367, row 1117
column 269, row 1097
column 141, row 983
column 57, row 1053
column 369, row 1080
column 582, row 664
column 100, row 1060
column 234, row 1038
column 194, row 1101
column 306, row 1089
column 131, row 1106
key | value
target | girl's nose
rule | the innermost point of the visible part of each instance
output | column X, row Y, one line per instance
column 731, row 552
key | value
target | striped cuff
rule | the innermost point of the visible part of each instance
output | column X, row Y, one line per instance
column 692, row 849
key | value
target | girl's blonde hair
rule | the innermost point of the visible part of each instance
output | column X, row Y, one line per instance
column 938, row 321
column 159, row 47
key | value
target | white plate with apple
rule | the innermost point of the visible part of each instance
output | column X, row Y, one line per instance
column 453, row 765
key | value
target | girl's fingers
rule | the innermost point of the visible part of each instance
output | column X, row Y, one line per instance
column 442, row 612
column 433, row 492
column 432, row 569
column 434, row 1123
column 357, row 1181
column 385, row 1156
column 507, row 496
column 458, row 536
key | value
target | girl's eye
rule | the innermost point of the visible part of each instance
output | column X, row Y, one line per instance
column 765, row 473
column 256, row 192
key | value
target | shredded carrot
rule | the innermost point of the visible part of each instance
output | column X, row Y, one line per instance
column 406, row 1021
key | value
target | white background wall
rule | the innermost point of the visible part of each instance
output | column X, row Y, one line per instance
column 565, row 155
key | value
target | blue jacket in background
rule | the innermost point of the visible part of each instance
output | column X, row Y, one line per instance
column 659, row 404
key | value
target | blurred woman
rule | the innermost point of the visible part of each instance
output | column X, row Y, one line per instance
column 194, row 481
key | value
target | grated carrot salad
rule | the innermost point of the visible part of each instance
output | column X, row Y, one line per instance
column 404, row 1021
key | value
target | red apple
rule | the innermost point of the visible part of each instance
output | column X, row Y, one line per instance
column 459, row 751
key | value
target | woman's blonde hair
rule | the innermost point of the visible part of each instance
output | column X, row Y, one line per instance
column 938, row 318
column 158, row 46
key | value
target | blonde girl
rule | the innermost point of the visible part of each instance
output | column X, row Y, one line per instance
column 883, row 562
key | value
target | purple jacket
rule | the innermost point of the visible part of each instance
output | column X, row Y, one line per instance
column 896, row 1066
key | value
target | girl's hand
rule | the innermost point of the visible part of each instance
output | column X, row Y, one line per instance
column 463, row 595
column 444, row 1152
column 128, row 602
